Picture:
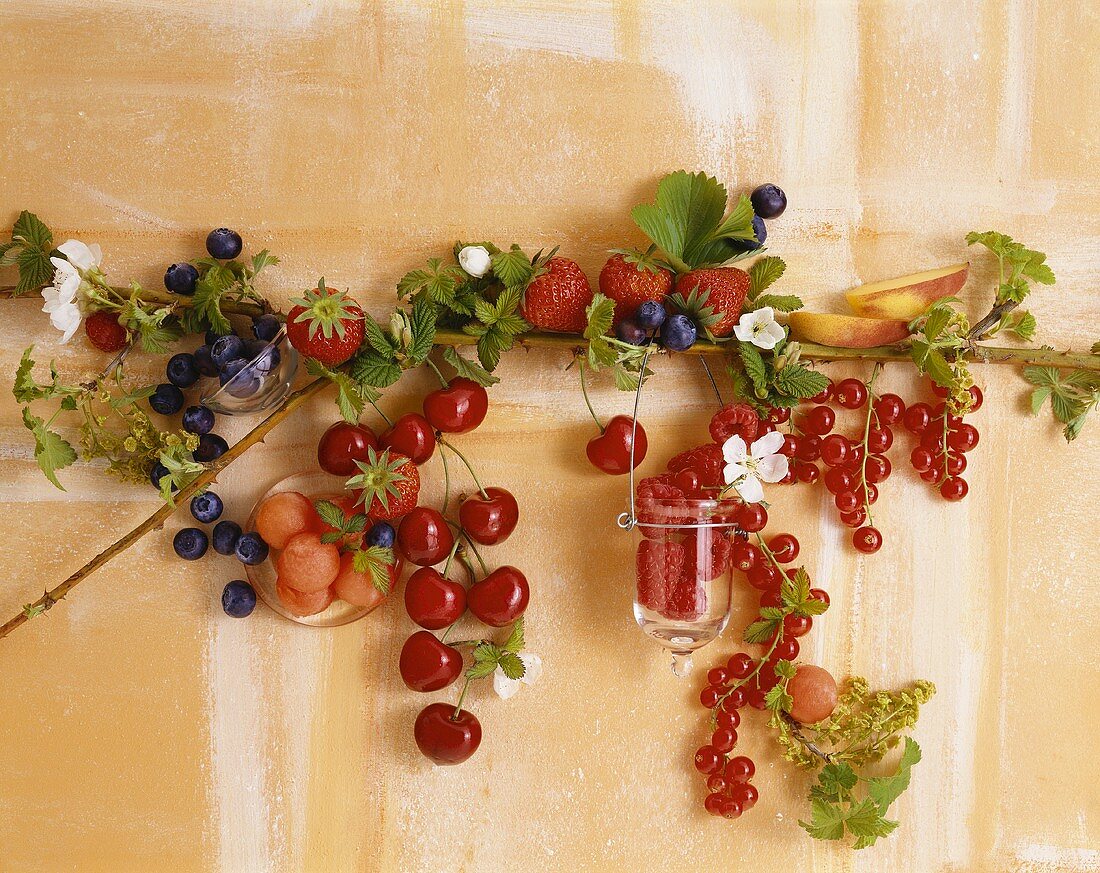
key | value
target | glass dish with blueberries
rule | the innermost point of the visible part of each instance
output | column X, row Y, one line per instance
column 251, row 374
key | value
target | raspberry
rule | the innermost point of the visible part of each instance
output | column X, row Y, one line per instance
column 735, row 419
column 711, row 566
column 659, row 565
column 685, row 600
column 104, row 331
column 706, row 460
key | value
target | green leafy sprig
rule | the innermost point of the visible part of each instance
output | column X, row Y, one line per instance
column 488, row 656
column 626, row 361
column 221, row 282
column 1072, row 394
column 773, row 379
column 29, row 249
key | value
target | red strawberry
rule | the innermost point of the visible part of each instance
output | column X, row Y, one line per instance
column 706, row 460
column 735, row 418
column 388, row 485
column 557, row 299
column 104, row 331
column 660, row 564
column 631, row 278
column 719, row 289
column 326, row 325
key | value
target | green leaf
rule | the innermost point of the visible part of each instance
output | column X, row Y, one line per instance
column 686, row 217
column 330, row 536
column 371, row 368
column 865, row 822
column 512, row 666
column 761, row 631
column 378, row 339
column 834, row 782
column 262, row 260
column 785, row 669
column 778, row 302
column 937, row 368
column 468, row 369
column 754, row 366
column 826, row 821
column 35, row 270
column 513, row 268
column 51, row 451
column 515, row 641
column 884, row 790
column 1024, row 326
column 423, row 331
column 352, row 394
column 32, row 232
column 330, row 513
column 797, row 381
column 25, row 388
column 938, row 318
column 376, row 562
column 763, row 274
column 1038, row 398
column 601, row 314
column 1041, row 375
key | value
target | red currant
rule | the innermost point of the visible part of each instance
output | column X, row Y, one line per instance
column 854, row 518
column 851, row 393
column 790, row 445
column 784, row 547
column 734, row 700
column 707, row 759
column 824, row 395
column 820, row 594
column 739, row 769
column 838, row 479
column 976, row 398
column 788, row 477
column 745, row 556
column 713, row 803
column 819, row 420
column 856, row 457
column 917, row 418
column 797, row 625
column 932, row 475
column 807, row 473
column 932, row 439
column 867, row 540
column 921, row 459
column 779, row 414
column 724, row 739
column 956, row 463
column 879, row 440
column 756, row 699
column 730, row 719
column 740, row 665
column 954, row 488
column 869, row 493
column 964, row 438
column 889, row 409
column 729, row 808
column 752, row 517
column 846, row 501
column 717, row 783
column 709, row 697
column 771, row 598
column 809, row 448
column 763, row 576
column 877, row 468
column 785, row 650
column 835, row 450
column 939, row 390
column 745, row 793
column 764, row 426
column 718, row 676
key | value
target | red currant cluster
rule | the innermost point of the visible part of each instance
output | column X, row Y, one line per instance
column 940, row 456
column 744, row 680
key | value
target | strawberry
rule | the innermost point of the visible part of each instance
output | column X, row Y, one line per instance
column 326, row 325
column 713, row 296
column 735, row 418
column 388, row 485
column 630, row 278
column 557, row 298
column 104, row 331
column 706, row 460
column 660, row 565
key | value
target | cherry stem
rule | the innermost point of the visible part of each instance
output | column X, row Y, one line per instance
column 588, row 402
column 450, row 557
column 461, row 698
column 462, row 457
column 446, row 481
column 378, row 409
column 713, row 384
column 431, row 364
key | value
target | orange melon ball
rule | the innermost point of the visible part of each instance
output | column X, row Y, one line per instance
column 357, row 588
column 813, row 694
column 302, row 603
column 307, row 564
column 285, row 515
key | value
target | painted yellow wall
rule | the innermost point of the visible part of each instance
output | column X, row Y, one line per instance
column 143, row 730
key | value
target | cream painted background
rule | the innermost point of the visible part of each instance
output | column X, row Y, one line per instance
column 143, row 730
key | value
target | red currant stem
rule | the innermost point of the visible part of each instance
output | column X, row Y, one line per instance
column 378, row 409
column 943, row 449
column 451, row 556
column 588, row 402
column 462, row 458
column 446, row 482
column 431, row 363
column 713, row 384
column 461, row 698
column 870, row 383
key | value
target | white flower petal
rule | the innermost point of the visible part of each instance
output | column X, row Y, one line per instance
column 734, row 449
column 764, row 315
column 764, row 340
column 772, row 468
column 532, row 668
column 768, row 444
column 475, row 260
column 97, row 254
column 64, row 267
column 79, row 255
column 732, row 472
column 775, row 329
column 750, row 490
column 742, row 330
column 503, row 686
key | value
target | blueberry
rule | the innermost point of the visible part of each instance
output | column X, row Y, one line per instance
column 381, row 534
column 167, row 399
column 748, row 245
column 212, row 336
column 629, row 332
column 650, row 315
column 181, row 279
column 225, row 536
column 211, row 447
column 223, row 244
column 678, row 333
column 238, row 599
column 182, row 370
column 226, row 349
column 231, row 369
column 769, row 201
column 190, row 543
column 247, row 384
column 266, row 327
column 158, row 472
column 204, row 362
column 206, row 507
column 198, row 420
column 251, row 549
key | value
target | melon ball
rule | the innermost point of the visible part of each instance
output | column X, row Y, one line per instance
column 285, row 515
column 307, row 564
column 302, row 603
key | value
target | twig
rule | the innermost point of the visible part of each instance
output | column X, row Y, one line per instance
column 291, row 403
column 810, row 745
column 151, row 295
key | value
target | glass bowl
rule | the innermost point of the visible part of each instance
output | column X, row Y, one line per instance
column 314, row 484
column 262, row 383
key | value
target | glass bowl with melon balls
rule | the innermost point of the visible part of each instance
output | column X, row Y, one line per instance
column 310, row 575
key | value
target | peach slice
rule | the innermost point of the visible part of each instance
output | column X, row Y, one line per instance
column 849, row 331
column 907, row 296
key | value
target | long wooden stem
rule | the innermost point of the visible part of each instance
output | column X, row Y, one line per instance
column 49, row 598
column 151, row 295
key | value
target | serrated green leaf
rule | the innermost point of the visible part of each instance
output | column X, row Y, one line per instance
column 601, row 314
column 35, row 270
column 937, row 320
column 262, row 260
column 511, row 665
column 51, row 451
column 9, row 253
column 32, row 232
column 513, row 268
column 754, row 366
column 778, row 302
column 423, row 331
column 378, row 339
column 785, row 669
column 884, row 790
column 330, row 513
column 937, row 368
column 468, row 369
column 1024, row 326
column 796, row 381
column 481, row 669
column 777, row 699
column 370, row 368
column 761, row 631
column 1038, row 398
column 330, row 536
column 826, row 821
column 1041, row 375
column 515, row 641
column 764, row 273
column 772, row 612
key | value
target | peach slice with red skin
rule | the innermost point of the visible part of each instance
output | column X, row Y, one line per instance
column 848, row 331
column 907, row 296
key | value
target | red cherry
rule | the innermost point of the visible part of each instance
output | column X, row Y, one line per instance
column 708, row 697
column 713, row 803
column 426, row 664
column 790, row 445
column 458, row 408
column 779, row 414
column 687, row 480
column 445, row 738
column 412, row 436
column 752, row 517
column 424, row 536
column 889, row 409
column 610, row 451
column 500, row 598
column 342, row 445
column 718, row 676
column 489, row 520
column 784, row 547
column 734, row 700
column 867, row 540
column 939, row 390
column 724, row 739
column 432, row 600
column 954, row 488
column 730, row 808
column 772, row 597
column 730, row 719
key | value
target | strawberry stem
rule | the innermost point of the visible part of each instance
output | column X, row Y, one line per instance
column 588, row 402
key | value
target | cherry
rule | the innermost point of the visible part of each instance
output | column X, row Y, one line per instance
column 819, row 420
column 458, row 408
column 724, row 739
column 867, row 540
column 835, row 450
column 432, row 600
column 740, row 665
column 610, row 451
column 489, row 519
column 790, row 445
column 412, row 435
column 917, row 418
column 838, row 479
column 954, row 488
column 869, row 493
column 688, row 481
column 501, row 597
column 963, row 438
column 939, row 390
column 426, row 664
column 851, row 393
column 752, row 517
column 889, row 409
column 740, row 769
column 932, row 439
column 424, row 536
column 342, row 445
column 779, row 414
column 784, row 547
column 707, row 759
column 444, row 737
column 879, row 439
column 856, row 457
column 877, row 468
column 921, row 459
